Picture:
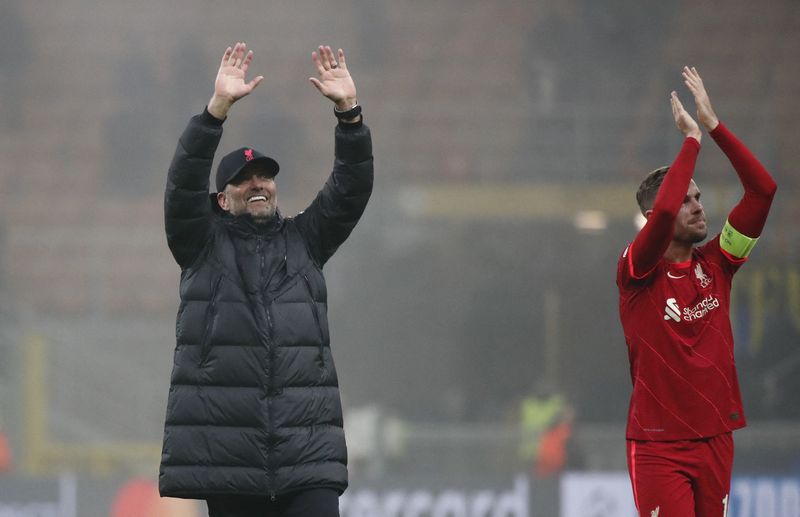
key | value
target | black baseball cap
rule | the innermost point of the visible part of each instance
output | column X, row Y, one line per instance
column 234, row 162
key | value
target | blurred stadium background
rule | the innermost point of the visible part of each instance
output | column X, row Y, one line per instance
column 473, row 311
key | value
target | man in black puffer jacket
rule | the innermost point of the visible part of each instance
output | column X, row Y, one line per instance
column 254, row 418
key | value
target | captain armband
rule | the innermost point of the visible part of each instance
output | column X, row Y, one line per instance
column 736, row 243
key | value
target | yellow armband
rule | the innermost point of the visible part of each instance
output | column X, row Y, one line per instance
column 735, row 243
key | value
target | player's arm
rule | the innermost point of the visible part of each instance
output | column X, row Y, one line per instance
column 653, row 240
column 746, row 220
column 333, row 214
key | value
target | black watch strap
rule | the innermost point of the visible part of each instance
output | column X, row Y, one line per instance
column 349, row 114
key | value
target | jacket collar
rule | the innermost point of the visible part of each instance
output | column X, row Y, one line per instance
column 245, row 226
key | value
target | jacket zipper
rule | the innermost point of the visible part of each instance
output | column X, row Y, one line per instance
column 270, row 377
column 270, row 393
column 316, row 320
column 205, row 349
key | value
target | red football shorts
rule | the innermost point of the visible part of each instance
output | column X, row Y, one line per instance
column 685, row 478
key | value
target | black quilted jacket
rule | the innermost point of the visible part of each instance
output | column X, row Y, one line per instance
column 254, row 405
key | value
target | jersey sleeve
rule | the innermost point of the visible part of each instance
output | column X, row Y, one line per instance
column 714, row 251
column 747, row 219
column 648, row 248
column 626, row 278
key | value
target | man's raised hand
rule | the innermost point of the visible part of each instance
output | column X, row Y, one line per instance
column 683, row 120
column 230, row 84
column 334, row 80
column 705, row 114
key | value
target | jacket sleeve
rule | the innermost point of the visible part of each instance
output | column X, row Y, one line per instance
column 333, row 214
column 187, row 209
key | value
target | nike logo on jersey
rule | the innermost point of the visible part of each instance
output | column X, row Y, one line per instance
column 654, row 513
column 673, row 276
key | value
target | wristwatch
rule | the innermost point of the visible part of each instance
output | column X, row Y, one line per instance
column 349, row 114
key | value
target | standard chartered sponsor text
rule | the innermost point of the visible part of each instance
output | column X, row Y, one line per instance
column 708, row 304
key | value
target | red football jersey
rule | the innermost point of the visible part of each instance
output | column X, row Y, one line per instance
column 680, row 345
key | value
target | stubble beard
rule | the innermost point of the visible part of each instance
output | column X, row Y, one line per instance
column 693, row 236
column 260, row 217
column 265, row 215
column 699, row 237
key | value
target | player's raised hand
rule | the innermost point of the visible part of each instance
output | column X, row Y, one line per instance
column 683, row 120
column 230, row 84
column 705, row 114
column 334, row 81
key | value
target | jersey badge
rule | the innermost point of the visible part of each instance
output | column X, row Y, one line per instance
column 704, row 279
